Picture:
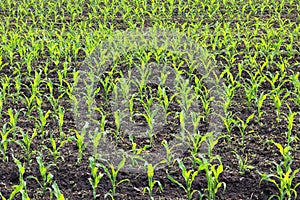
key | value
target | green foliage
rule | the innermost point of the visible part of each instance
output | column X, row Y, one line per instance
column 284, row 175
column 189, row 176
column 96, row 176
column 255, row 47
column 212, row 173
column 151, row 182
column 112, row 174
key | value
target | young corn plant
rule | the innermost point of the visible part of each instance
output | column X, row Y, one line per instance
column 29, row 103
column 278, row 77
column 3, row 91
column 184, row 91
column 103, row 121
column 183, row 129
column 242, row 125
column 196, row 118
column 96, row 141
column 131, row 104
column 42, row 120
column 112, row 174
column 169, row 155
column 4, row 141
column 26, row 143
column 188, row 176
column 259, row 104
column 205, row 99
column 229, row 123
column 124, row 85
column 13, row 119
column 197, row 141
column 165, row 101
column 107, row 85
column 47, row 177
column 36, row 83
column 150, row 122
column 212, row 173
column 145, row 74
column 284, row 175
column 136, row 152
column 229, row 94
column 278, row 103
column 251, row 89
column 243, row 163
column 90, row 95
column 81, row 144
column 54, row 101
column 96, row 176
column 1, row 104
column 21, row 188
column 55, row 148
column 118, row 116
column 151, row 182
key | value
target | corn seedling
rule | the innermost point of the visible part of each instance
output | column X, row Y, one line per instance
column 81, row 144
column 131, row 112
column 278, row 103
column 4, row 141
column 55, row 148
column 145, row 74
column 296, row 83
column 165, row 101
column 259, row 104
column 229, row 123
column 29, row 102
column 151, row 182
column 55, row 101
column 118, row 116
column 197, row 141
column 284, row 176
column 125, row 85
column 107, row 85
column 112, row 174
column 205, row 100
column 248, row 58
column 43, row 120
column 188, row 176
column 26, row 143
column 21, row 188
column 96, row 176
column 251, row 89
column 169, row 155
column 243, row 163
column 184, row 91
column 136, row 152
column 196, row 118
column 212, row 173
column 229, row 94
column 1, row 104
column 13, row 119
column 290, row 119
column 278, row 77
column 47, row 177
column 243, row 125
column 149, row 117
column 35, row 84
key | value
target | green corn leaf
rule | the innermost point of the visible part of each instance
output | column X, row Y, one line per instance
column 150, row 171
